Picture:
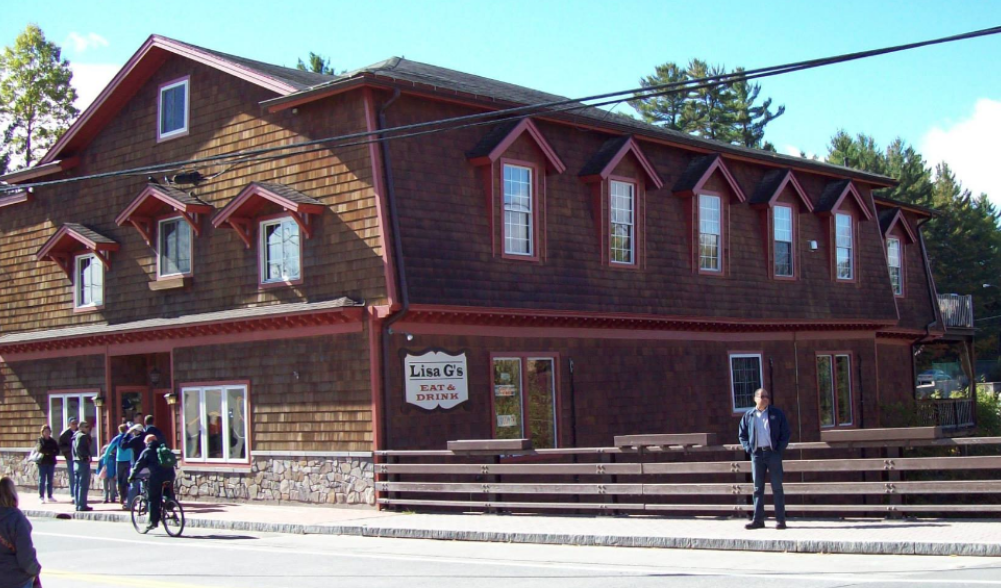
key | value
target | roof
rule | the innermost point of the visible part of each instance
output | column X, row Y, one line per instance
column 832, row 195
column 178, row 321
column 177, row 194
column 407, row 71
column 922, row 210
column 292, row 76
column 89, row 234
column 497, row 134
column 287, row 193
column 768, row 186
column 694, row 173
column 886, row 217
column 603, row 155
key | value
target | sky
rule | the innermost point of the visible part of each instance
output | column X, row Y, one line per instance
column 945, row 100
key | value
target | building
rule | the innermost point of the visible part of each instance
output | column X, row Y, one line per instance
column 566, row 277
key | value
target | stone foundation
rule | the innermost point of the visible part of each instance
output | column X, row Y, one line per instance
column 307, row 478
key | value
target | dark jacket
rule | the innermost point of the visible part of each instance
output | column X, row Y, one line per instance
column 66, row 443
column 81, row 447
column 49, row 449
column 778, row 427
column 147, row 459
column 152, row 430
column 19, row 566
column 135, row 443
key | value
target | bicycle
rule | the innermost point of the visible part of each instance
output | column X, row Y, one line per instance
column 171, row 512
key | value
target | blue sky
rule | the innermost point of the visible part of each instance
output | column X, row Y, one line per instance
column 946, row 100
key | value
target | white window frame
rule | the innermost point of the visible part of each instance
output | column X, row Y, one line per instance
column 894, row 243
column 838, row 247
column 159, row 247
column 203, row 423
column 95, row 265
column 82, row 397
column 733, row 381
column 707, row 198
column 187, row 109
column 263, row 246
column 530, row 213
column 791, row 241
column 630, row 225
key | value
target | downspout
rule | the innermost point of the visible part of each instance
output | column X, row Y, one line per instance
column 403, row 291
column 936, row 311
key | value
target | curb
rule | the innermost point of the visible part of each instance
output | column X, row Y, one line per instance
column 711, row 543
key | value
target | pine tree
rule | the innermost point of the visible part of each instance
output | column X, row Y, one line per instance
column 750, row 120
column 664, row 110
column 316, row 64
column 36, row 98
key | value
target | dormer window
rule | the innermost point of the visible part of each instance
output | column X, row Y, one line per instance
column 173, row 110
column 896, row 267
column 623, row 237
column 846, row 208
column 710, row 232
column 89, row 282
column 710, row 188
column 519, row 207
column 845, row 243
column 174, row 248
column 84, row 254
column 280, row 251
column 783, row 241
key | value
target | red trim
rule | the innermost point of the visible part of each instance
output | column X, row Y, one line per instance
column 630, row 146
column 538, row 212
column 240, row 213
column 771, row 244
column 717, row 165
column 186, row 81
column 262, row 250
column 374, row 322
column 140, row 67
column 15, row 198
column 789, row 181
column 379, row 188
column 248, row 418
column 55, row 245
column 40, row 171
column 849, row 189
column 557, row 403
column 899, row 218
column 639, row 216
column 902, row 259
column 724, row 225
column 834, row 383
column 553, row 160
column 152, row 200
column 156, row 250
column 833, row 228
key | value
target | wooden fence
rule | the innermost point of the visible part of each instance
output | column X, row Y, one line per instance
column 863, row 472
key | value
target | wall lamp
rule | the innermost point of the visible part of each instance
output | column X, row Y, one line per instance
column 409, row 336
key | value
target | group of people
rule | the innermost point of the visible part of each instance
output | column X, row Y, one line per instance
column 133, row 451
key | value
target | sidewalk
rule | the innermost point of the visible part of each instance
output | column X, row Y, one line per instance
column 858, row 536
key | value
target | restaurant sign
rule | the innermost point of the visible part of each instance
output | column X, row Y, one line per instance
column 436, row 379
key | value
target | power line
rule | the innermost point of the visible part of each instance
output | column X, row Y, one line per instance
column 504, row 115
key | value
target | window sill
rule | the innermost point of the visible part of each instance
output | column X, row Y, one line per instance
column 171, row 283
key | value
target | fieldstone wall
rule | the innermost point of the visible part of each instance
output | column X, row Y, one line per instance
column 25, row 473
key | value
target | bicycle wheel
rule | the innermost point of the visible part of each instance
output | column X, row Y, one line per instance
column 140, row 513
column 172, row 516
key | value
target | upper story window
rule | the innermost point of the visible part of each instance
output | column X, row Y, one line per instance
column 893, row 260
column 710, row 233
column 174, row 250
column 519, row 218
column 173, row 109
column 280, row 251
column 845, row 246
column 623, row 217
column 783, row 229
column 88, row 282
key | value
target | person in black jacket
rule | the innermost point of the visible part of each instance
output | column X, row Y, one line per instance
column 18, row 562
column 82, row 456
column 764, row 433
column 152, row 429
column 48, row 449
column 157, row 476
column 66, row 449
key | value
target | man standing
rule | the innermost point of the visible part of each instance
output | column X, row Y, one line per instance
column 123, row 465
column 151, row 429
column 81, row 456
column 764, row 433
column 66, row 450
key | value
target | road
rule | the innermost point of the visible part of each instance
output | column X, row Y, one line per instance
column 81, row 554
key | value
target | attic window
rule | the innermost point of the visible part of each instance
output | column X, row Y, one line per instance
column 173, row 110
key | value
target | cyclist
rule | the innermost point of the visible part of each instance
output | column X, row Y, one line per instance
column 158, row 474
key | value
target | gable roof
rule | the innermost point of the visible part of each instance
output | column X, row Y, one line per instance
column 890, row 217
column 698, row 172
column 494, row 143
column 608, row 156
column 773, row 183
column 438, row 79
column 835, row 193
column 150, row 56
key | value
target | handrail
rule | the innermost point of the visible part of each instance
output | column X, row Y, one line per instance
column 957, row 310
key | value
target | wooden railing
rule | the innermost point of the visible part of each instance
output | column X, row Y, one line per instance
column 865, row 474
column 957, row 310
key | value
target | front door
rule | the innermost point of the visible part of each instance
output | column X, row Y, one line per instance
column 132, row 404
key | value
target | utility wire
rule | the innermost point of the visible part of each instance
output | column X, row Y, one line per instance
column 503, row 115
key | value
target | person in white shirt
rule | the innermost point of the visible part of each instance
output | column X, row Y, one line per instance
column 764, row 433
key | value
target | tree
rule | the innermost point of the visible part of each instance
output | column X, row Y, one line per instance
column 727, row 112
column 36, row 98
column 317, row 64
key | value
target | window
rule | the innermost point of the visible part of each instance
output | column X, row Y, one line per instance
column 524, row 389
column 834, row 382
column 173, row 119
column 623, row 217
column 79, row 405
column 280, row 248
column 783, row 241
column 214, row 421
column 896, row 268
column 518, row 217
column 710, row 232
column 174, row 253
column 88, row 288
column 745, row 378
column 845, row 246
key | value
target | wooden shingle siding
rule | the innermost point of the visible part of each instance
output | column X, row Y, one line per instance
column 446, row 239
column 309, row 394
column 342, row 258
column 916, row 309
column 26, row 386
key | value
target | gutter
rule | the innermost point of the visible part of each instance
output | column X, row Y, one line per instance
column 931, row 287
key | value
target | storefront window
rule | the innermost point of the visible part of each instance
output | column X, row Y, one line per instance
column 524, row 390
column 215, row 425
column 65, row 405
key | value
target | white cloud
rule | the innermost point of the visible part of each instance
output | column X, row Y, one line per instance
column 796, row 151
column 89, row 79
column 969, row 146
column 81, row 43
